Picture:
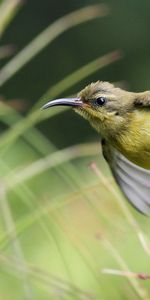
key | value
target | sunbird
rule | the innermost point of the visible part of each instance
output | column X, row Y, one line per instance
column 122, row 119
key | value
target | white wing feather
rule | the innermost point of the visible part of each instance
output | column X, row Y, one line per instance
column 133, row 180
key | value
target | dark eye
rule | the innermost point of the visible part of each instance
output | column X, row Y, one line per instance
column 101, row 101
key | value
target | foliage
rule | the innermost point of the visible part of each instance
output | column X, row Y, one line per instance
column 63, row 220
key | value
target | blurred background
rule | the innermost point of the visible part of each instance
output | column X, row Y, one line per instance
column 64, row 223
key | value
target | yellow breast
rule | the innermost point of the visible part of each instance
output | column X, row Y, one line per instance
column 134, row 143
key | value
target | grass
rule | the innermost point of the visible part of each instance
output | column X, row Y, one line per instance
column 63, row 220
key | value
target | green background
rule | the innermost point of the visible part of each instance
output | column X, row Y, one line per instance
column 125, row 28
column 62, row 223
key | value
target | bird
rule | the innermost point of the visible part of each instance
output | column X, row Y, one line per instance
column 122, row 118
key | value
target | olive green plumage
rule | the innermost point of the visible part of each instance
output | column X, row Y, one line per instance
column 122, row 119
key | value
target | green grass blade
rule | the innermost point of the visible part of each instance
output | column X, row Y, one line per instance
column 47, row 36
column 14, row 241
column 51, row 161
column 8, row 10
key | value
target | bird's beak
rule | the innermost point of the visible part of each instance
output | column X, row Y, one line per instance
column 74, row 102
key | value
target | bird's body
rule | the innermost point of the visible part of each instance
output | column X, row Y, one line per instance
column 134, row 141
column 123, row 120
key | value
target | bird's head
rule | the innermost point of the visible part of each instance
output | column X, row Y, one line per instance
column 103, row 105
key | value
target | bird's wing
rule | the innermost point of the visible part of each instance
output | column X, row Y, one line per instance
column 133, row 180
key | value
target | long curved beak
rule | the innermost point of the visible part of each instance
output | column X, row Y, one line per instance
column 65, row 102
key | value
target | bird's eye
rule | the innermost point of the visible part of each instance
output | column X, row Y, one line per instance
column 101, row 101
